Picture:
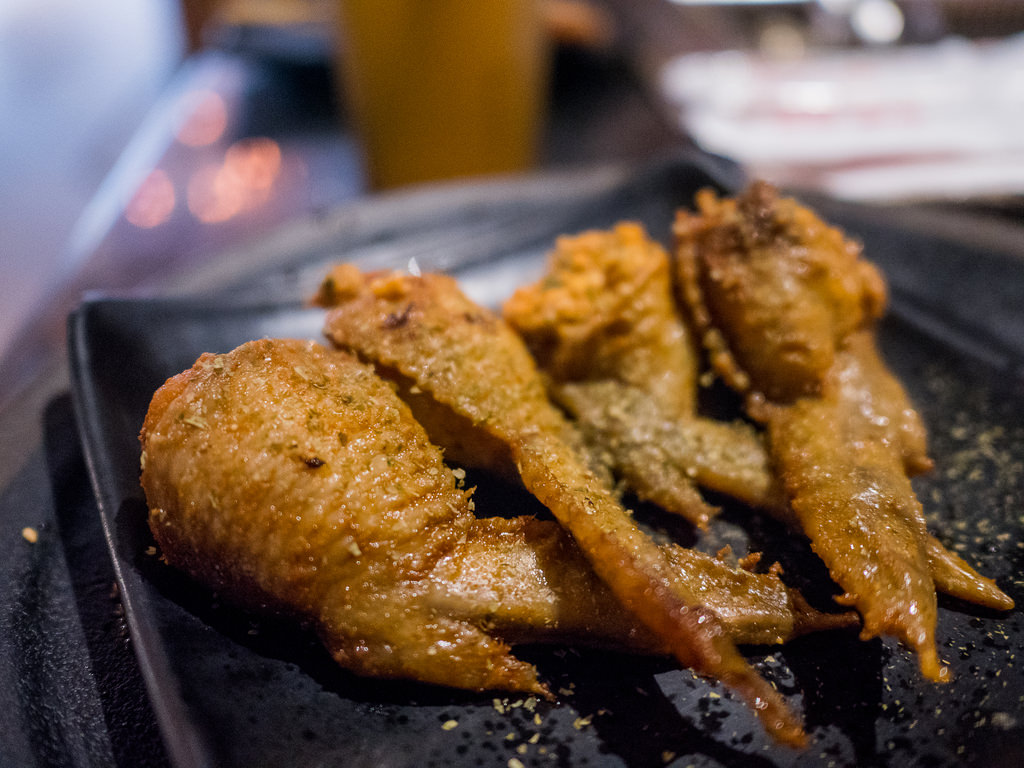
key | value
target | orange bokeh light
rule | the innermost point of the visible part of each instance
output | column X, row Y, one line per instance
column 207, row 121
column 153, row 202
column 217, row 192
column 255, row 162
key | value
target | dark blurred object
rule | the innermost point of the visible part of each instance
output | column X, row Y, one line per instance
column 290, row 27
column 983, row 18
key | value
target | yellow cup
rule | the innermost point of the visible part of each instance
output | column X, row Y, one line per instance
column 442, row 89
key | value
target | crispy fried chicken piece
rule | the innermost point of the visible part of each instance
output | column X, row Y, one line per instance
column 785, row 306
column 291, row 478
column 654, row 453
column 853, row 498
column 525, row 580
column 605, row 310
column 468, row 359
column 772, row 290
column 652, row 443
column 603, row 325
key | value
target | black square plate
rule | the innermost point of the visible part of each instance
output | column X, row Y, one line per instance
column 230, row 689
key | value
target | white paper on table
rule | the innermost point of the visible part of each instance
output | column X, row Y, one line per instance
column 945, row 119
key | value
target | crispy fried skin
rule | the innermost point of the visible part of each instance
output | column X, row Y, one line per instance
column 527, row 581
column 956, row 578
column 604, row 327
column 748, row 474
column 471, row 361
column 291, row 478
column 854, row 501
column 785, row 306
column 653, row 452
column 605, row 310
column 772, row 290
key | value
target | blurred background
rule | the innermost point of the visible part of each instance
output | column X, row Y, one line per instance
column 140, row 136
column 76, row 81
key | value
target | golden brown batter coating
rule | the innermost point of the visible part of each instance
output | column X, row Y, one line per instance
column 525, row 580
column 291, row 478
column 605, row 329
column 471, row 361
column 658, row 455
column 604, row 310
column 785, row 306
column 849, row 490
column 772, row 289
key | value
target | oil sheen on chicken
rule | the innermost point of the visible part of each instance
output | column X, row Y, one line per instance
column 290, row 478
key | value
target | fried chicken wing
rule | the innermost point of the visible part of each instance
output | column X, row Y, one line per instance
column 605, row 310
column 604, row 327
column 853, row 498
column 656, row 453
column 527, row 581
column 785, row 306
column 289, row 477
column 772, row 289
column 652, row 443
column 468, row 359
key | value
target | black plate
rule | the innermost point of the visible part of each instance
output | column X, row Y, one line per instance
column 231, row 689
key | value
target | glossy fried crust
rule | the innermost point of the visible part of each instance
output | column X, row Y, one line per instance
column 291, row 478
column 605, row 309
column 772, row 289
column 658, row 455
column 785, row 307
column 853, row 498
column 471, row 361
column 527, row 581
column 604, row 326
